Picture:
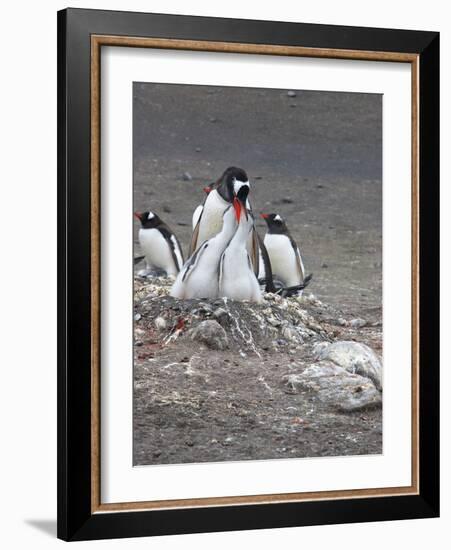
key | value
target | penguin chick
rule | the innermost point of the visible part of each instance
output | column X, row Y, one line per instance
column 237, row 279
column 199, row 277
column 161, row 248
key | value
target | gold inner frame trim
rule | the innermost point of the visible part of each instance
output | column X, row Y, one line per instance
column 97, row 41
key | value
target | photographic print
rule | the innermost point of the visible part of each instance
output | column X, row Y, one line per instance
column 257, row 273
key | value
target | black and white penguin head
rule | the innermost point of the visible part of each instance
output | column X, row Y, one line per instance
column 239, row 202
column 148, row 220
column 276, row 224
column 231, row 181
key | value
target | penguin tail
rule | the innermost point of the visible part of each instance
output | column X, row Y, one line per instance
column 307, row 280
column 286, row 292
column 138, row 259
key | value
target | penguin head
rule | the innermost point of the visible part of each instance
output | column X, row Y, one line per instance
column 148, row 220
column 231, row 181
column 239, row 202
column 275, row 223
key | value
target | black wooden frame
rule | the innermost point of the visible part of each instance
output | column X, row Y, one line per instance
column 75, row 520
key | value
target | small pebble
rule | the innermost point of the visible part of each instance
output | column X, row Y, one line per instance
column 166, row 209
column 198, row 149
column 287, row 200
column 325, row 266
column 186, row 176
column 213, row 119
column 137, row 316
column 291, row 93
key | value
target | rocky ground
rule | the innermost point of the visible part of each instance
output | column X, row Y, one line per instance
column 221, row 380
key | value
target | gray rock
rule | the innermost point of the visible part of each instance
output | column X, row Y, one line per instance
column 291, row 93
column 335, row 387
column 221, row 316
column 356, row 358
column 211, row 333
column 137, row 316
column 186, row 176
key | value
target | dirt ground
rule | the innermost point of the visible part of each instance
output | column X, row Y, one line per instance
column 313, row 157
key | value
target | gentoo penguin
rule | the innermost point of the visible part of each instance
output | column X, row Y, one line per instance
column 160, row 246
column 237, row 279
column 222, row 193
column 198, row 211
column 199, row 276
column 284, row 254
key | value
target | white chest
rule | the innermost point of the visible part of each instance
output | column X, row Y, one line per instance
column 283, row 259
column 211, row 221
column 156, row 250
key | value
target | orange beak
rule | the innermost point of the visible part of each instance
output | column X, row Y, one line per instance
column 264, row 216
column 137, row 215
column 237, row 207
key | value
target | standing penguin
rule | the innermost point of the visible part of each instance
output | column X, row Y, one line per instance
column 284, row 254
column 237, row 279
column 160, row 246
column 220, row 196
column 199, row 277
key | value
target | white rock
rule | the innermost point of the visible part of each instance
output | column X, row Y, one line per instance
column 335, row 387
column 357, row 323
column 355, row 357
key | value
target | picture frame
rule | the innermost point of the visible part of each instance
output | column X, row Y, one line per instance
column 81, row 35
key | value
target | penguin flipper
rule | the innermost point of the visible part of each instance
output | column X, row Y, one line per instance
column 196, row 215
column 254, row 251
column 173, row 242
column 138, row 259
column 299, row 263
column 195, row 236
column 192, row 262
column 221, row 270
column 268, row 281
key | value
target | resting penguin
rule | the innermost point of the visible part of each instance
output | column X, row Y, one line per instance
column 284, row 254
column 199, row 276
column 237, row 279
column 161, row 248
column 220, row 196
